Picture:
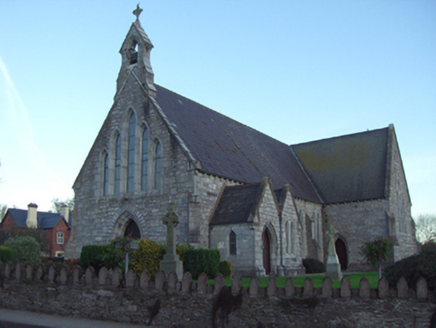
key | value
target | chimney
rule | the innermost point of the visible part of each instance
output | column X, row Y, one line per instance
column 65, row 212
column 31, row 221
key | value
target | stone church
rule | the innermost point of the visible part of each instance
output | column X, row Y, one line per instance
column 264, row 204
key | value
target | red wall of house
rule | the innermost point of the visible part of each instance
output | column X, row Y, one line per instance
column 53, row 235
column 7, row 223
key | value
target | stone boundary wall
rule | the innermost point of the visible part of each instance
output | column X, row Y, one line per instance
column 110, row 296
column 115, row 279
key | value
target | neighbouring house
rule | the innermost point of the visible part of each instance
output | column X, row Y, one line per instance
column 52, row 230
column 264, row 204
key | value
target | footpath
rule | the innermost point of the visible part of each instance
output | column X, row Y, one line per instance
column 25, row 319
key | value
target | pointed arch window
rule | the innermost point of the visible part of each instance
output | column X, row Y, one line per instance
column 232, row 243
column 293, row 237
column 144, row 161
column 158, row 167
column 117, row 183
column 131, row 154
column 105, row 173
column 288, row 237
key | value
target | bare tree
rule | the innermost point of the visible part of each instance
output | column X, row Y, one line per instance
column 57, row 204
column 425, row 226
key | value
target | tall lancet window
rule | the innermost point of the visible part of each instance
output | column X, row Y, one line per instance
column 144, row 161
column 158, row 167
column 117, row 165
column 232, row 243
column 105, row 173
column 131, row 155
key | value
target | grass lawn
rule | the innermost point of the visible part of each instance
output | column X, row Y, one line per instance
column 317, row 280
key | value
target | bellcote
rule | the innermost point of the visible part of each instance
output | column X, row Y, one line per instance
column 135, row 58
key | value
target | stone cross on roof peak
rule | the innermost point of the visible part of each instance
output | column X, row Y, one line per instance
column 137, row 11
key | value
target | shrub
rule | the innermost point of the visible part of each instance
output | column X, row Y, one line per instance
column 225, row 268
column 182, row 249
column 202, row 260
column 6, row 254
column 412, row 268
column 313, row 266
column 147, row 257
column 115, row 254
column 378, row 251
column 26, row 249
column 92, row 255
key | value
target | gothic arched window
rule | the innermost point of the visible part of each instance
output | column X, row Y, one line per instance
column 117, row 165
column 131, row 154
column 105, row 173
column 288, row 237
column 158, row 167
column 232, row 243
column 144, row 161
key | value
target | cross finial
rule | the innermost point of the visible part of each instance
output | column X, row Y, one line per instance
column 137, row 11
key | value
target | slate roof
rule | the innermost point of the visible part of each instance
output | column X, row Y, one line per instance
column 347, row 168
column 45, row 220
column 232, row 150
column 236, row 204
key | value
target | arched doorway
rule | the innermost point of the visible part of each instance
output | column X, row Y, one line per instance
column 132, row 230
column 266, row 243
column 126, row 226
column 341, row 250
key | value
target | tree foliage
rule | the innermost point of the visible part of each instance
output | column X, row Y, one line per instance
column 26, row 249
column 3, row 210
column 425, row 227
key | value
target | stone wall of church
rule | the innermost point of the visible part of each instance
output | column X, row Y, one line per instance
column 292, row 250
column 311, row 223
column 97, row 218
column 356, row 223
column 202, row 203
column 243, row 260
column 402, row 225
column 267, row 218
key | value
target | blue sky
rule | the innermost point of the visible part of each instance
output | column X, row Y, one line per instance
column 295, row 70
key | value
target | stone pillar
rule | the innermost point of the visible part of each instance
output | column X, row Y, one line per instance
column 333, row 268
column 171, row 262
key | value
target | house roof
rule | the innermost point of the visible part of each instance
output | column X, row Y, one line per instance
column 227, row 148
column 45, row 220
column 347, row 168
column 236, row 204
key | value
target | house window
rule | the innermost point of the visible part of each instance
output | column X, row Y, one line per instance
column 144, row 162
column 117, row 165
column 158, row 167
column 59, row 253
column 131, row 154
column 232, row 243
column 105, row 173
column 60, row 238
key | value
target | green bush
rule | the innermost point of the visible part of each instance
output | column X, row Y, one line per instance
column 202, row 260
column 147, row 257
column 93, row 255
column 412, row 268
column 313, row 266
column 6, row 254
column 225, row 268
column 26, row 249
column 115, row 254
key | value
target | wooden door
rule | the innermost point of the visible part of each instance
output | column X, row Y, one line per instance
column 266, row 252
column 341, row 250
